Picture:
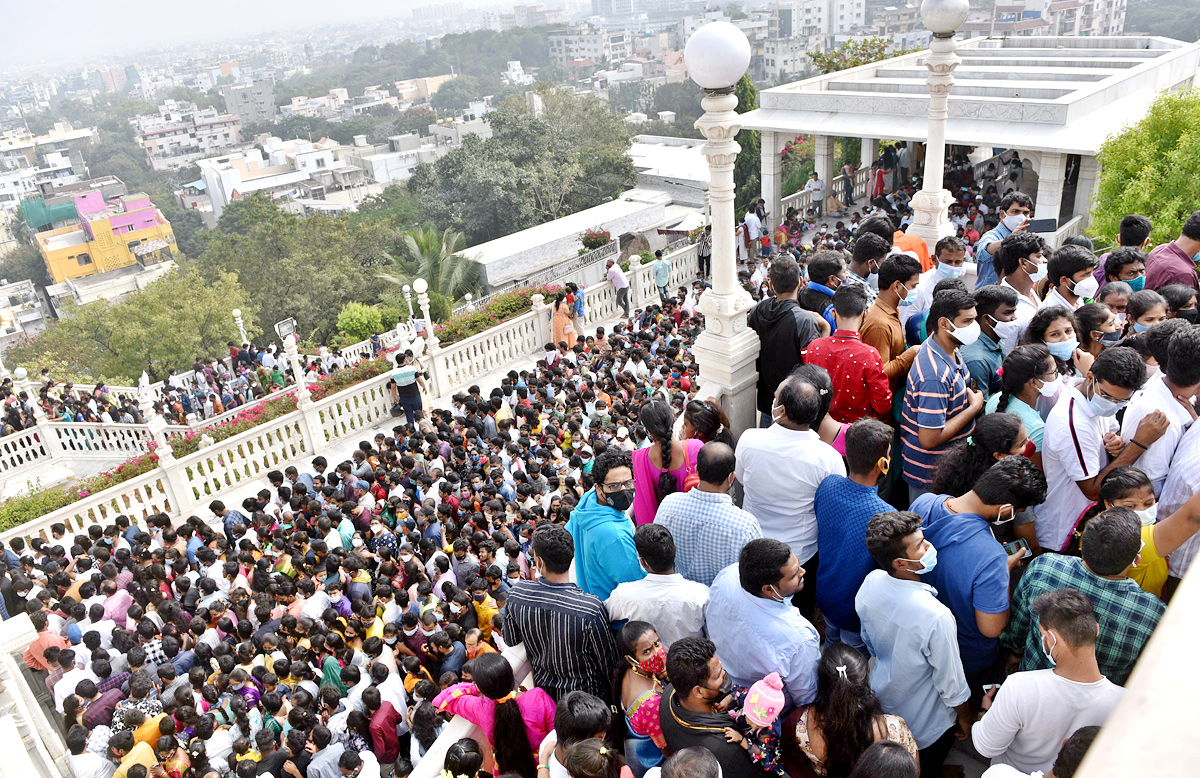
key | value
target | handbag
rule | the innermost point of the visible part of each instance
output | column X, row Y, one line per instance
column 691, row 477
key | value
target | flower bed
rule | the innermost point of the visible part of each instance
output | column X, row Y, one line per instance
column 18, row 510
column 500, row 308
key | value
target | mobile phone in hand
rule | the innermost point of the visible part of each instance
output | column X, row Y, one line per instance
column 1018, row 544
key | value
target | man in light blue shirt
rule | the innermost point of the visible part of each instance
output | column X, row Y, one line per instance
column 662, row 275
column 756, row 629
column 1014, row 213
column 918, row 674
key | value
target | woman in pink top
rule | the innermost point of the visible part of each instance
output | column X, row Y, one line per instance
column 662, row 467
column 514, row 725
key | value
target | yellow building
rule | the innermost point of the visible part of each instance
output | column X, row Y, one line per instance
column 110, row 235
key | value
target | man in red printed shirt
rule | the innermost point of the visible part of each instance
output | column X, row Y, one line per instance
column 860, row 387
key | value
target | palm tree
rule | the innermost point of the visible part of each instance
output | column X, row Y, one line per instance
column 434, row 256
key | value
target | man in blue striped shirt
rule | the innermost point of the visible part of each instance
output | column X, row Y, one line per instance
column 939, row 407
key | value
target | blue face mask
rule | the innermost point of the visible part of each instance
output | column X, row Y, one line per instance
column 1137, row 284
column 911, row 297
column 948, row 271
column 928, row 560
column 1139, row 327
column 1063, row 350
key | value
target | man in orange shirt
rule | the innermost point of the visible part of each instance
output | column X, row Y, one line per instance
column 905, row 242
column 35, row 655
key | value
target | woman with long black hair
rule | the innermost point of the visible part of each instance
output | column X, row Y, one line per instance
column 827, row 737
column 515, row 724
column 662, row 467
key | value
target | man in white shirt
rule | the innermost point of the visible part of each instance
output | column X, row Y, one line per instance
column 1033, row 712
column 64, row 687
column 1070, row 272
column 817, row 187
column 673, row 604
column 1171, row 392
column 1080, row 444
column 754, row 228
column 780, row 467
column 1070, row 756
column 918, row 674
column 84, row 763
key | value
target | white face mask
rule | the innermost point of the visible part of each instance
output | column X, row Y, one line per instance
column 1014, row 221
column 1087, row 288
column 966, row 335
column 1148, row 516
column 1050, row 388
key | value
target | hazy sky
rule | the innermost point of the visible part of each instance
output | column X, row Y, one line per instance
column 39, row 32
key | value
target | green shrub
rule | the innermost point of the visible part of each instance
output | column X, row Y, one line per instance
column 358, row 321
column 646, row 257
column 440, row 307
column 388, row 316
column 500, row 308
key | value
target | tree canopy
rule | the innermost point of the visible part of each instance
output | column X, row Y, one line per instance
column 166, row 325
column 747, row 170
column 535, row 168
column 1150, row 169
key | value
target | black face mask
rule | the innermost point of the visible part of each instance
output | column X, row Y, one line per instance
column 1189, row 315
column 620, row 500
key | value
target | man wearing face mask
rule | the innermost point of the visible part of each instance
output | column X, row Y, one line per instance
column 1014, row 217
column 1032, row 713
column 939, row 408
column 949, row 261
column 869, row 253
column 971, row 576
column 995, row 305
column 918, row 674
column 1080, row 443
column 1175, row 262
column 1071, row 272
column 603, row 534
column 1110, row 548
column 754, row 626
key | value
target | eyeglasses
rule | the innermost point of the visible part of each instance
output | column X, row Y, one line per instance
column 1051, row 376
column 618, row 486
column 1108, row 396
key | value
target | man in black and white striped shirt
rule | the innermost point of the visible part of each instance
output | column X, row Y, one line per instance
column 565, row 630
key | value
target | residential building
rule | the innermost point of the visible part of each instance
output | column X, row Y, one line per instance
column 110, row 235
column 22, row 313
column 289, row 170
column 254, row 102
column 327, row 106
column 53, row 207
column 1090, row 18
column 28, row 162
column 418, row 90
column 182, row 134
column 394, row 161
column 693, row 22
column 784, row 56
column 582, row 42
column 515, row 75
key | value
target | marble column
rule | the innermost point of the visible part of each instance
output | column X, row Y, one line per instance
column 1086, row 185
column 1051, row 176
column 771, row 145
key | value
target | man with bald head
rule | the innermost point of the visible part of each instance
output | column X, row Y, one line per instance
column 709, row 530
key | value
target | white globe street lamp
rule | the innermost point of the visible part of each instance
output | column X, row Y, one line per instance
column 716, row 57
column 931, row 205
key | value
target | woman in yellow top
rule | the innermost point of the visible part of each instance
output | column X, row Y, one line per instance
column 1130, row 488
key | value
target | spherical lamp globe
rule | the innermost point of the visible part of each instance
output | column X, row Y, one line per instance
column 420, row 286
column 717, row 55
column 943, row 17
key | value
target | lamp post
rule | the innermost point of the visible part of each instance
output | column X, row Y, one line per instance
column 422, row 288
column 408, row 299
column 468, row 297
column 237, row 319
column 716, row 56
column 286, row 330
column 930, row 205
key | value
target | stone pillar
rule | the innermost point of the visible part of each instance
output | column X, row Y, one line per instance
column 437, row 380
column 1086, row 185
column 179, row 491
column 727, row 349
column 634, row 277
column 771, row 144
column 310, row 419
column 869, row 152
column 1051, row 175
column 823, row 160
column 21, row 383
column 930, row 206
column 541, row 321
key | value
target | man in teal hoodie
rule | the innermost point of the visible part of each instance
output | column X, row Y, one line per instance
column 604, row 551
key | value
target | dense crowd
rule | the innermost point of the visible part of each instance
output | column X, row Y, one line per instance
column 213, row 387
column 959, row 520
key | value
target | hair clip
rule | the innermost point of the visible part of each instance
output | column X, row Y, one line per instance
column 603, row 751
column 842, row 672
column 970, row 440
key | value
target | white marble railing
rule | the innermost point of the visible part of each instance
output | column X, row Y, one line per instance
column 350, row 411
column 458, row 728
column 83, row 440
column 21, row 449
column 463, row 362
column 803, row 200
column 1072, row 227
column 245, row 457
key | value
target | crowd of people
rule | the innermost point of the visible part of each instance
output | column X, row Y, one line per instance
column 958, row 521
column 213, row 387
